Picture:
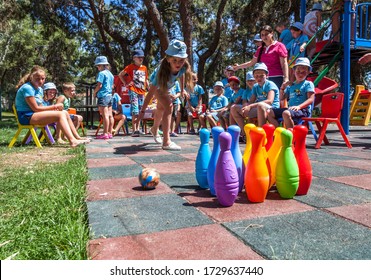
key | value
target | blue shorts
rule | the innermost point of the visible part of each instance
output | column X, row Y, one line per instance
column 136, row 102
column 105, row 101
column 295, row 115
column 24, row 117
column 72, row 117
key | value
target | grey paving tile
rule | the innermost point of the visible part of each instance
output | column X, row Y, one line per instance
column 142, row 215
column 312, row 235
column 325, row 193
column 327, row 157
column 180, row 182
column 108, row 172
column 327, row 170
column 159, row 158
column 103, row 155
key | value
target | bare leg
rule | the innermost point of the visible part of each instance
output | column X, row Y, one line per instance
column 121, row 120
column 272, row 118
column 287, row 120
column 262, row 114
column 164, row 107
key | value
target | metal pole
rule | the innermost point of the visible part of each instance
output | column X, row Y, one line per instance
column 345, row 64
column 303, row 10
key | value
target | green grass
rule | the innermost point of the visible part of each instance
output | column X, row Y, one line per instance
column 43, row 213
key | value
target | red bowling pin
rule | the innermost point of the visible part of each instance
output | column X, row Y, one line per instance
column 257, row 174
column 269, row 131
column 226, row 181
column 301, row 155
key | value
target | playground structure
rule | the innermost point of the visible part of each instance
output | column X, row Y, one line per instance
column 349, row 49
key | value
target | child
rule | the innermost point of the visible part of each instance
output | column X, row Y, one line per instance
column 50, row 92
column 174, row 66
column 237, row 110
column 235, row 100
column 312, row 22
column 65, row 98
column 194, row 102
column 103, row 91
column 228, row 72
column 297, row 45
column 217, row 103
column 264, row 95
column 257, row 41
column 175, row 116
column 135, row 77
column 285, row 34
column 118, row 116
column 300, row 95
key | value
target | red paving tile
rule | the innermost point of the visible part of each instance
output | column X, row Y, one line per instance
column 189, row 156
column 242, row 208
column 354, row 153
column 210, row 242
column 100, row 150
column 361, row 164
column 173, row 167
column 114, row 161
column 358, row 213
column 117, row 188
column 360, row 181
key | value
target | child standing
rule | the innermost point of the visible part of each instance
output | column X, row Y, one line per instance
column 175, row 116
column 194, row 102
column 312, row 22
column 300, row 95
column 285, row 34
column 217, row 103
column 174, row 66
column 135, row 77
column 103, row 91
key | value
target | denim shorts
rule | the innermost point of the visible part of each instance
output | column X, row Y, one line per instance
column 24, row 117
column 174, row 113
column 105, row 101
column 136, row 101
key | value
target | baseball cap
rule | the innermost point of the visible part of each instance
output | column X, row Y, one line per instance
column 229, row 68
column 257, row 38
column 233, row 78
column 177, row 48
column 138, row 53
column 218, row 84
column 317, row 6
column 101, row 60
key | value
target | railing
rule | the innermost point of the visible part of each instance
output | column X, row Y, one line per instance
column 362, row 28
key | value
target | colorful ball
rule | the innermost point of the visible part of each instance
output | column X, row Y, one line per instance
column 149, row 178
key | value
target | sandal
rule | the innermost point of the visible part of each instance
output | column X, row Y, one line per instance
column 157, row 137
column 172, row 147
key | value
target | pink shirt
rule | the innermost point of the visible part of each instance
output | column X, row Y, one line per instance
column 271, row 57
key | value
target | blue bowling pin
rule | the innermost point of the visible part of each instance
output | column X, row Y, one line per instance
column 226, row 180
column 234, row 131
column 215, row 132
column 203, row 159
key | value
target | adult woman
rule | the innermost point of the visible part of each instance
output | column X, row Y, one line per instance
column 30, row 111
column 273, row 54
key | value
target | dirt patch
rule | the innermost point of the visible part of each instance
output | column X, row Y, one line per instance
column 32, row 157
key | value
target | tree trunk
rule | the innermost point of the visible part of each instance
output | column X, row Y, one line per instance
column 187, row 25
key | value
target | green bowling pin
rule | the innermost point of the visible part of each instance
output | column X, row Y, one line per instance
column 287, row 170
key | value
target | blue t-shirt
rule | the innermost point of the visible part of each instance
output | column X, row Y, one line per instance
column 218, row 102
column 194, row 96
column 174, row 91
column 154, row 80
column 105, row 77
column 286, row 37
column 247, row 94
column 27, row 90
column 228, row 92
column 237, row 94
column 297, row 93
column 115, row 101
column 294, row 46
column 261, row 92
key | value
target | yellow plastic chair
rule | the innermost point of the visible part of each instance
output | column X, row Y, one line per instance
column 31, row 131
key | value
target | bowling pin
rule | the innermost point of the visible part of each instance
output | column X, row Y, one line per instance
column 203, row 159
column 246, row 153
column 215, row 131
column 287, row 171
column 226, row 182
column 269, row 131
column 234, row 131
column 257, row 174
column 273, row 154
column 302, row 159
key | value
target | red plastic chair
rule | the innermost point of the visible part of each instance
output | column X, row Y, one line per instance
column 325, row 86
column 195, row 116
column 332, row 104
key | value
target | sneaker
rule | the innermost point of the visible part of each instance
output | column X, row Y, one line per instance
column 102, row 136
column 172, row 147
column 135, row 134
column 173, row 134
column 110, row 136
column 192, row 131
column 160, row 132
column 157, row 137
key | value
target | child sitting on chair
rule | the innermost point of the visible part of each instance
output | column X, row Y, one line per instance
column 300, row 97
column 118, row 116
column 194, row 102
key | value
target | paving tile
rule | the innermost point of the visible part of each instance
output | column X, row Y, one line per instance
column 180, row 182
column 357, row 213
column 327, row 170
column 310, row 235
column 114, row 161
column 360, row 164
column 103, row 155
column 170, row 158
column 191, row 156
column 358, row 154
column 242, row 208
column 117, row 188
column 109, row 149
column 113, row 218
column 325, row 193
column 173, row 167
column 327, row 157
column 182, row 244
column 363, row 181
column 124, row 171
